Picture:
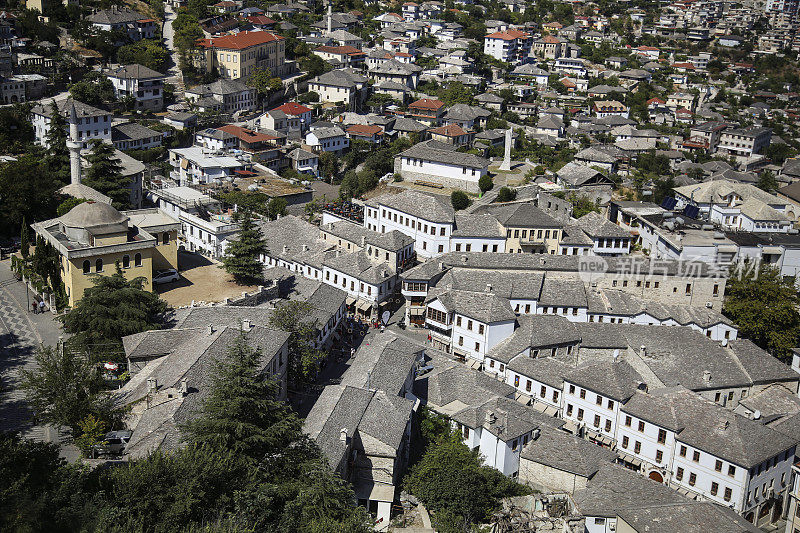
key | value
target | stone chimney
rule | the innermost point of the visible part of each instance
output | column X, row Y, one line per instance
column 152, row 385
column 210, row 329
column 363, row 240
column 707, row 376
column 343, row 435
column 463, row 258
column 246, row 325
column 285, row 248
column 183, row 388
column 488, row 287
column 643, row 351
column 305, row 247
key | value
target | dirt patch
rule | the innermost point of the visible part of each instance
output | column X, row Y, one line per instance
column 202, row 280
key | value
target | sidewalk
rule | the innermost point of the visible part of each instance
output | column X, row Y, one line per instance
column 45, row 328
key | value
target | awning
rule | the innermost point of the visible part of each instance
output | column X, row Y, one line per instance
column 549, row 410
column 364, row 306
column 350, row 300
column 630, row 459
column 473, row 363
column 777, row 250
column 570, row 426
column 524, row 399
column 539, row 406
column 728, row 248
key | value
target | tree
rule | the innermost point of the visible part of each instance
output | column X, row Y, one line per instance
column 264, row 82
column 16, row 130
column 662, row 188
column 105, row 174
column 25, row 240
column 67, row 205
column 94, row 89
column 294, row 317
column 763, row 303
column 65, row 388
column 27, row 190
column 276, row 207
column 582, row 205
column 112, row 308
column 91, row 431
column 242, row 257
column 328, row 166
column 242, row 412
column 454, row 484
column 506, row 195
column 485, row 183
column 57, row 160
column 147, row 52
column 460, row 200
column 767, row 181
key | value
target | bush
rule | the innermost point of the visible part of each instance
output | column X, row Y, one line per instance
column 485, row 183
column 506, row 195
column 460, row 200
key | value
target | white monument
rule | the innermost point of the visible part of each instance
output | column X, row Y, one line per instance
column 506, row 165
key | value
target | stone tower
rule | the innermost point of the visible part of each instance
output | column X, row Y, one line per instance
column 74, row 146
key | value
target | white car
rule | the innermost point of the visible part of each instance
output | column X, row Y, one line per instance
column 166, row 276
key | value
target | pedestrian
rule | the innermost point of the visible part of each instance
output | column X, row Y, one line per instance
column 41, row 306
column 35, row 307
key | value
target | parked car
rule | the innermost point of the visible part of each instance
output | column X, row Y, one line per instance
column 166, row 276
column 113, row 443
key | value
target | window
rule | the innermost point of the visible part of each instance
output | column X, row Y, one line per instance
column 659, row 456
column 597, row 421
column 625, row 441
column 477, row 347
column 692, row 478
column 569, row 409
column 580, row 414
column 628, row 421
column 87, row 267
column 728, row 494
column 461, row 341
column 528, row 386
column 599, row 400
column 608, row 425
column 718, row 465
column 696, row 456
column 458, row 321
column 572, row 389
column 641, row 426
column 637, row 447
column 682, row 451
column 714, row 488
column 583, row 394
column 98, row 265
column 662, row 436
column 480, row 329
column 679, row 474
column 469, row 325
column 731, row 470
column 126, row 261
column 543, row 391
column 137, row 260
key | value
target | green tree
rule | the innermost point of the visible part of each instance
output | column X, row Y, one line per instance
column 295, row 317
column 148, row 52
column 485, row 183
column 662, row 188
column 113, row 308
column 764, row 304
column 506, row 195
column 25, row 240
column 57, row 159
column 452, row 482
column 328, row 166
column 16, row 130
column 264, row 82
column 767, row 181
column 67, row 205
column 460, row 200
column 64, row 388
column 242, row 257
column 582, row 205
column 105, row 174
column 91, row 431
column 276, row 207
column 27, row 191
column 94, row 89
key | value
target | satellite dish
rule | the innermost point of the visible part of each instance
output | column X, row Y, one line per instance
column 385, row 317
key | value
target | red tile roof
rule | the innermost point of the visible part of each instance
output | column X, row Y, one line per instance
column 364, row 129
column 551, row 40
column 260, row 19
column 508, row 35
column 240, row 41
column 427, row 103
column 293, row 108
column 655, row 101
column 451, row 130
column 245, row 134
column 340, row 50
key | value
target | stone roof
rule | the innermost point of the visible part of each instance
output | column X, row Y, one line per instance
column 116, row 15
column 45, row 107
column 91, row 215
column 439, row 153
column 521, row 215
column 477, row 225
column 383, row 362
column 135, row 71
column 505, row 418
column 597, row 226
column 686, row 517
column 548, row 370
column 483, row 307
column 425, row 206
column 563, row 451
column 452, row 386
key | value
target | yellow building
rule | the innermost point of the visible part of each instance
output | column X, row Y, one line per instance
column 238, row 56
column 93, row 237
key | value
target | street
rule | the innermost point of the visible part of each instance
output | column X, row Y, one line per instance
column 20, row 333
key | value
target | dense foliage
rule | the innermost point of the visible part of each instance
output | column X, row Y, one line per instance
column 242, row 258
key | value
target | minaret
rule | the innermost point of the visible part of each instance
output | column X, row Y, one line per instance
column 506, row 164
column 74, row 147
column 330, row 12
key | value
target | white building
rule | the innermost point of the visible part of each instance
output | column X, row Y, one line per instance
column 196, row 165
column 439, row 163
column 93, row 123
column 145, row 85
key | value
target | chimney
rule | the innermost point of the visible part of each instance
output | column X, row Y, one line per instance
column 488, row 287
column 183, row 388
column 707, row 376
column 616, row 355
column 305, row 247
column 363, row 240
column 210, row 329
column 441, row 266
column 643, row 351
column 285, row 248
column 246, row 325
column 385, row 273
column 152, row 385
column 491, row 418
column 343, row 435
column 463, row 258
column 338, row 253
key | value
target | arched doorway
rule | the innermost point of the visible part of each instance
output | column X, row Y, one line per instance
column 656, row 476
column 750, row 517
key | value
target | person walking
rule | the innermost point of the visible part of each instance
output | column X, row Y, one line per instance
column 35, row 307
column 41, row 306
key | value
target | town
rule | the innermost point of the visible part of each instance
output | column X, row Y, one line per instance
column 359, row 265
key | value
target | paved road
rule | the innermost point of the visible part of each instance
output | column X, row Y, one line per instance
column 174, row 75
column 20, row 334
